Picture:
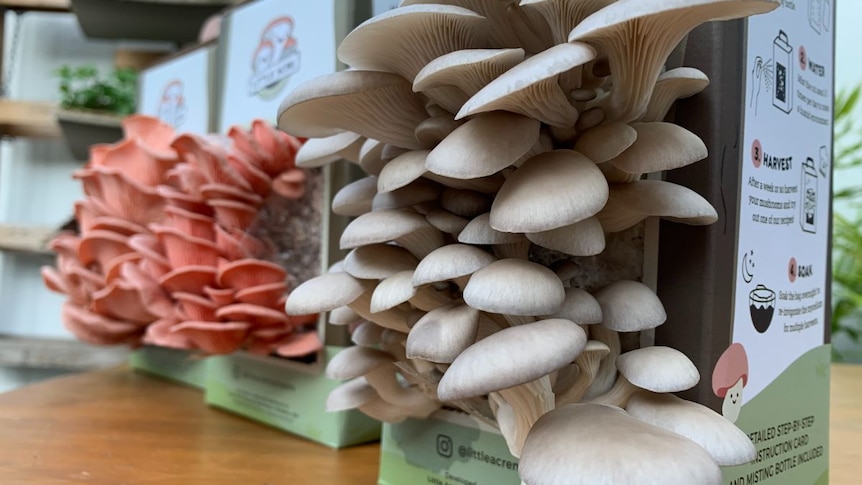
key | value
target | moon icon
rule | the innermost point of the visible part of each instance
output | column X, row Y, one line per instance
column 748, row 267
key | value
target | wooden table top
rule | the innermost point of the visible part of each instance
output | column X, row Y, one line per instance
column 117, row 427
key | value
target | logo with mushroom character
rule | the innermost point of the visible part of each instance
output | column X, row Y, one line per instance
column 274, row 60
column 172, row 105
column 729, row 378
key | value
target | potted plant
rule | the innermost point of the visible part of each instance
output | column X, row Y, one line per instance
column 92, row 105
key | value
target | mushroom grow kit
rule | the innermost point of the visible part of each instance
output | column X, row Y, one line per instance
column 547, row 244
column 266, row 48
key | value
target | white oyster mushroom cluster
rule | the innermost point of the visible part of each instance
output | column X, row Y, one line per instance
column 488, row 129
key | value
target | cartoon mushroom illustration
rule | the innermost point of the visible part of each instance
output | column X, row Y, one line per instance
column 728, row 379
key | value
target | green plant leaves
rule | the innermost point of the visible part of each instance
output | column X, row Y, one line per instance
column 847, row 228
column 83, row 88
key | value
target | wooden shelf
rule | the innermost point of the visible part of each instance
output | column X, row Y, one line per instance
column 40, row 353
column 31, row 239
column 116, row 426
column 36, row 5
column 36, row 119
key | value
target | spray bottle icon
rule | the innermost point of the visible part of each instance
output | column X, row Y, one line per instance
column 782, row 56
column 808, row 218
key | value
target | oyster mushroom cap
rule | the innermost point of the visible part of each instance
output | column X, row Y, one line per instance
column 563, row 15
column 350, row 395
column 484, row 145
column 510, row 357
column 672, row 85
column 317, row 152
column 530, row 88
column 589, row 444
column 630, row 203
column 450, row 262
column 414, row 194
column 392, row 291
column 479, row 231
column 606, row 142
column 660, row 146
column 377, row 261
column 325, row 292
column 446, row 221
column 413, row 36
column 344, row 315
column 376, row 105
column 435, row 129
column 498, row 13
column 355, row 198
column 443, row 333
column 367, row 334
column 630, row 306
column 515, row 287
column 725, row 442
column 409, row 229
column 658, row 369
column 402, row 170
column 551, row 190
column 465, row 203
column 583, row 238
column 371, row 156
column 660, row 25
column 579, row 307
column 469, row 70
column 354, row 362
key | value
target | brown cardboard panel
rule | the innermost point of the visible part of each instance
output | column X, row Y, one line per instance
column 697, row 262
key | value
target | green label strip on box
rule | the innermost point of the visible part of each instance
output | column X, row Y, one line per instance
column 174, row 364
column 443, row 453
column 289, row 399
column 788, row 422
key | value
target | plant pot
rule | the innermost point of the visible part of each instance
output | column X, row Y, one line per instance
column 82, row 129
column 161, row 20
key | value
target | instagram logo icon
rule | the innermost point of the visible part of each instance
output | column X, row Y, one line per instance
column 444, row 446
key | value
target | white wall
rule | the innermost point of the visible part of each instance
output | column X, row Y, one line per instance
column 35, row 175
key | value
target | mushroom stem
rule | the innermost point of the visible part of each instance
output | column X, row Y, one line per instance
column 488, row 326
column 396, row 319
column 604, row 378
column 527, row 403
column 514, row 320
column 384, row 381
column 520, row 250
column 618, row 395
column 588, row 365
column 381, row 410
column 427, row 298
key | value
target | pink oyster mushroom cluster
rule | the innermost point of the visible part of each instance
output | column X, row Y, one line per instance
column 164, row 255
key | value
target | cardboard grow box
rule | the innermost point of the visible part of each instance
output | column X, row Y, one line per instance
column 447, row 448
column 269, row 47
column 179, row 90
column 288, row 395
column 180, row 366
column 748, row 298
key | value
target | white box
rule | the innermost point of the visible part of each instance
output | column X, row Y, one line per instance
column 179, row 90
column 269, row 47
